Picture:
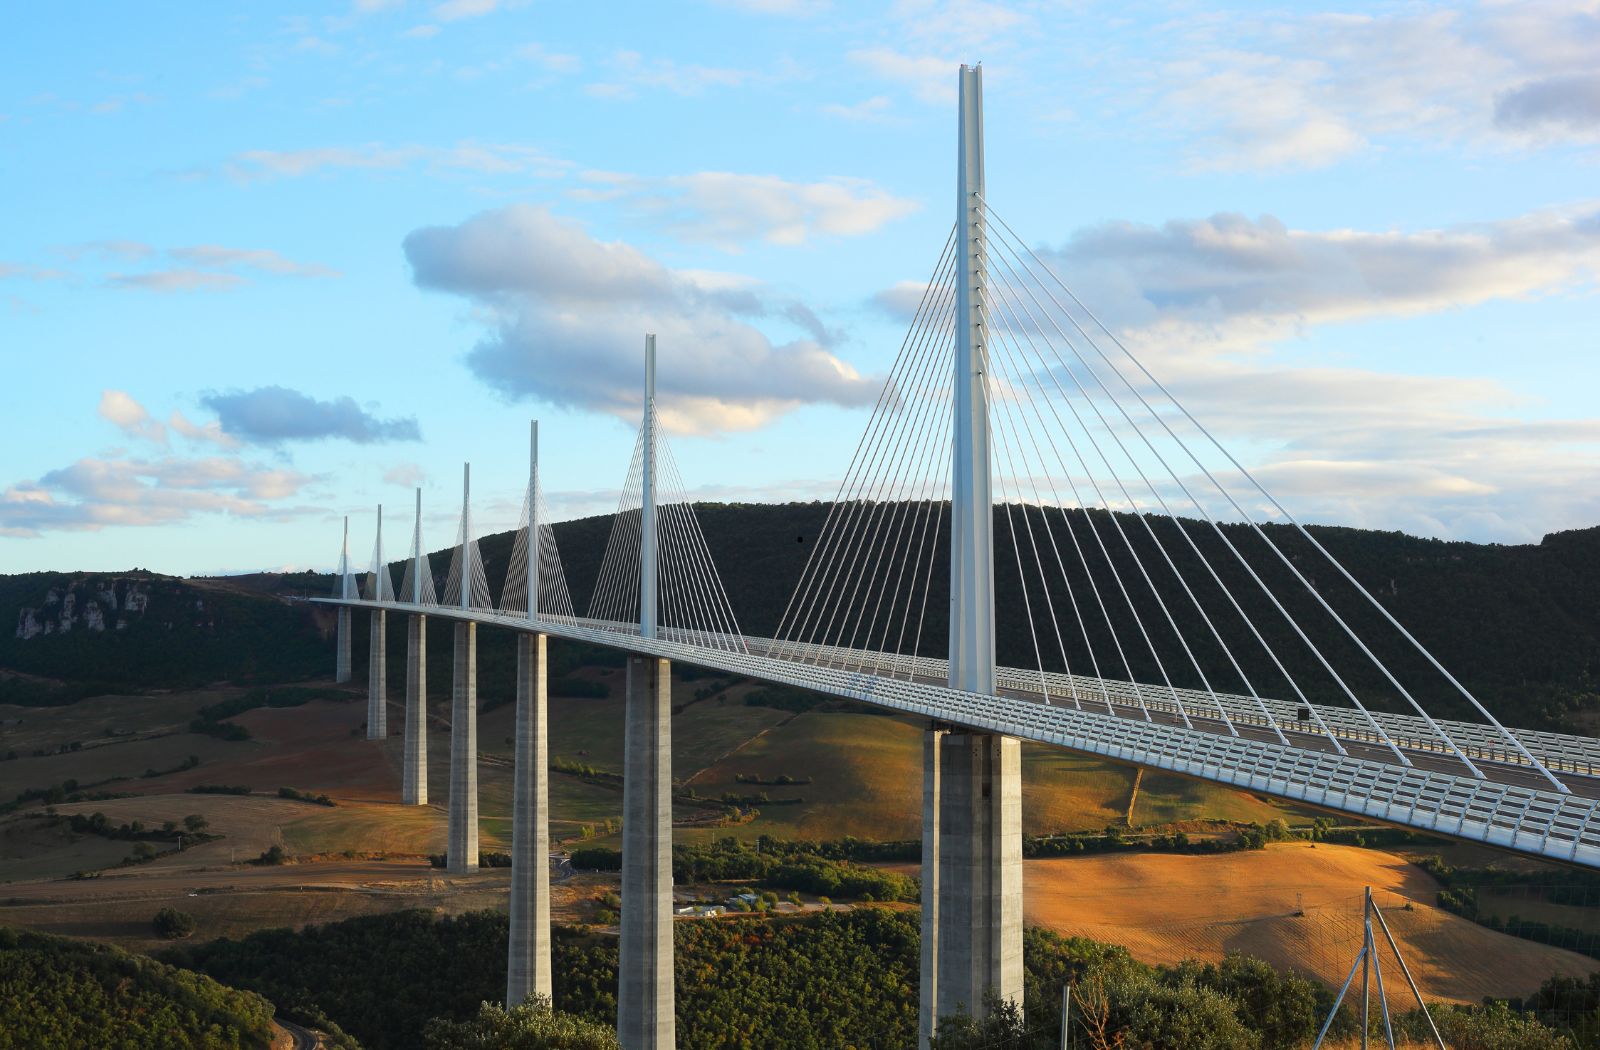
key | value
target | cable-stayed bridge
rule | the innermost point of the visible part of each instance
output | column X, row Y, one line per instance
column 1034, row 540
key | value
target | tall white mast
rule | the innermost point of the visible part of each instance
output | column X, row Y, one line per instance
column 533, row 521
column 647, row 504
column 971, row 516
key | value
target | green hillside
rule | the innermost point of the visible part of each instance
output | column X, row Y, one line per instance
column 57, row 994
column 1519, row 624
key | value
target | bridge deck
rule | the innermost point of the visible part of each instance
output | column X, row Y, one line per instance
column 1512, row 807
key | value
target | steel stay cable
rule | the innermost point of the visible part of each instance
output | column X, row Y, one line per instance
column 920, row 457
column 926, row 487
column 1094, row 587
column 872, row 422
column 1116, row 575
column 719, row 606
column 599, row 596
column 1349, row 632
column 1506, row 733
column 881, row 430
column 1038, row 561
column 1011, row 307
column 1223, row 537
column 925, row 366
column 1016, row 548
column 719, row 614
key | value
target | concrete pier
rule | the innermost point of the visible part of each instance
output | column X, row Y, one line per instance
column 644, row 982
column 414, row 769
column 528, row 959
column 341, row 665
column 463, row 841
column 378, row 677
column 927, row 1015
column 979, row 892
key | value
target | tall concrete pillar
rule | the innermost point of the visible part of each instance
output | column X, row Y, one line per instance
column 378, row 677
column 528, row 962
column 414, row 769
column 927, row 1012
column 341, row 664
column 979, row 922
column 463, row 848
column 644, row 967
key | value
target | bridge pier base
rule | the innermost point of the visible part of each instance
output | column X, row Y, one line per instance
column 927, row 1015
column 414, row 770
column 528, row 961
column 975, row 855
column 341, row 660
column 463, row 847
column 378, row 676
column 644, row 966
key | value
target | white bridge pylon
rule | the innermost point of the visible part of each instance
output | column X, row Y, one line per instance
column 1036, row 540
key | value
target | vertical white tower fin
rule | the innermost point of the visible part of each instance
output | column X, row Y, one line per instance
column 534, row 546
column 971, row 516
column 647, row 506
column 466, row 535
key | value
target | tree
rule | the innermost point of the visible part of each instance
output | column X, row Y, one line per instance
column 196, row 823
column 1001, row 1026
column 531, row 1026
column 173, row 925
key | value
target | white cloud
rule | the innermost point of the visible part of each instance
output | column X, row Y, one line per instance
column 869, row 109
column 406, row 475
column 176, row 280
column 272, row 415
column 632, row 72
column 425, row 31
column 930, row 79
column 726, row 208
column 129, row 416
column 1210, row 305
column 216, row 257
column 1307, row 90
column 548, row 60
column 209, row 433
column 567, row 317
column 453, row 10
column 478, row 158
column 94, row 493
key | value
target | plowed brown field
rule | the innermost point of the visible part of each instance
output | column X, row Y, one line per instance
column 1165, row 908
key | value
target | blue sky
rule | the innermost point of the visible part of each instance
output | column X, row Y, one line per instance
column 259, row 270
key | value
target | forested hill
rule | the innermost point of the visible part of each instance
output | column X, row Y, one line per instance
column 1520, row 624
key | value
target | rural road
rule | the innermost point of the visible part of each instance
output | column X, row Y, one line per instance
column 303, row 1038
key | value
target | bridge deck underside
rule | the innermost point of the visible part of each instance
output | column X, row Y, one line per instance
column 1513, row 807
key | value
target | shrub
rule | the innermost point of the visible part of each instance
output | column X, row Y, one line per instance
column 173, row 925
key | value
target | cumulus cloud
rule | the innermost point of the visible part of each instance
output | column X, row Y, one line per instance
column 129, row 416
column 1231, row 266
column 1215, row 306
column 568, row 314
column 272, row 415
column 207, row 433
column 1304, row 90
column 94, row 493
column 726, row 208
column 1570, row 102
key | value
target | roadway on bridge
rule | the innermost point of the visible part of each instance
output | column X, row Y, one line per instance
column 1499, row 772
